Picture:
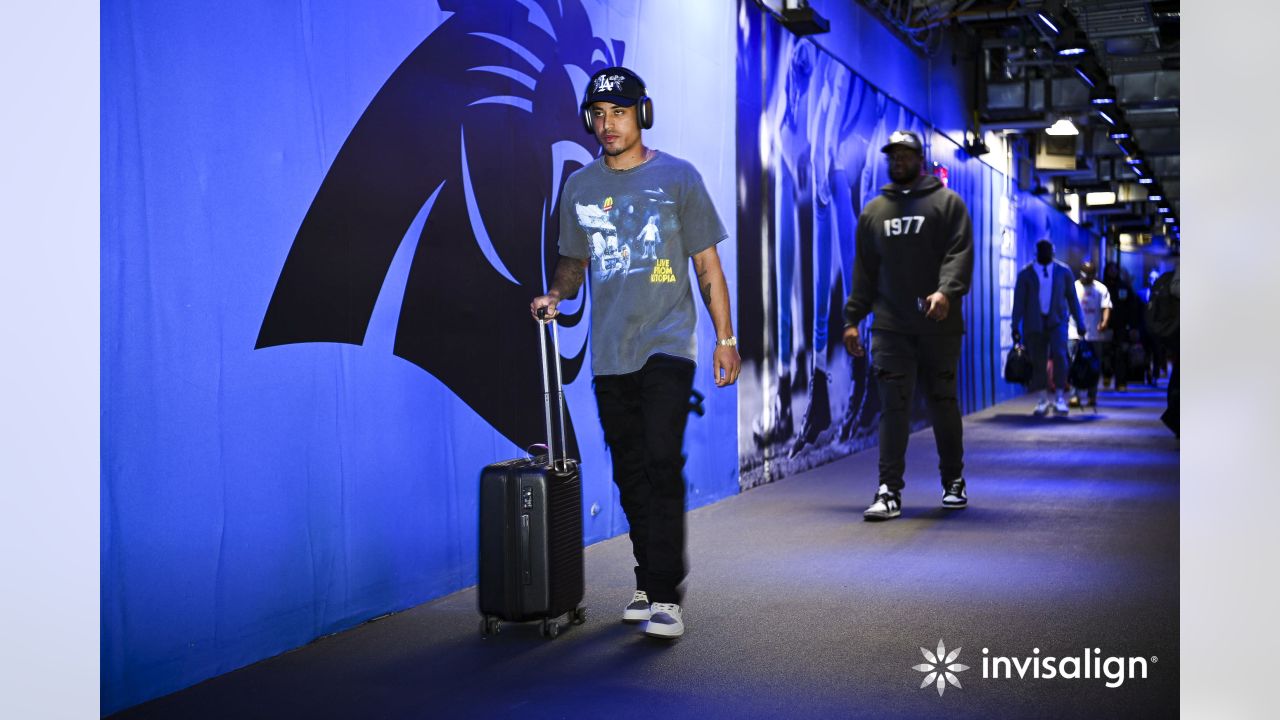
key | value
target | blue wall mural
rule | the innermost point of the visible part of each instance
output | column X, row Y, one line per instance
column 322, row 226
column 810, row 129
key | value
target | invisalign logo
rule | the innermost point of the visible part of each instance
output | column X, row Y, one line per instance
column 941, row 667
column 1091, row 666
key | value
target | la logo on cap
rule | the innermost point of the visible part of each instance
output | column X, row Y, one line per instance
column 608, row 83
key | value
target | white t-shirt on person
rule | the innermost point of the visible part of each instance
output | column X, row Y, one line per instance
column 1094, row 297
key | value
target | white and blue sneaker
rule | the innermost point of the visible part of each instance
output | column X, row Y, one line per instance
column 954, row 496
column 664, row 621
column 638, row 609
column 886, row 506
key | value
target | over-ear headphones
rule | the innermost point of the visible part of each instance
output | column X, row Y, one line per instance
column 644, row 109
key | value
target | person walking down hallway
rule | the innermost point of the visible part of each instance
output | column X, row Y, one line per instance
column 1125, row 324
column 643, row 322
column 913, row 262
column 1044, row 296
column 1095, row 303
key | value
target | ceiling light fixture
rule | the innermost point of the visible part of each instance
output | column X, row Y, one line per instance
column 802, row 20
column 1069, row 44
column 1063, row 126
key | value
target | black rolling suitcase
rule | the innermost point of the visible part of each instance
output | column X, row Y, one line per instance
column 531, row 565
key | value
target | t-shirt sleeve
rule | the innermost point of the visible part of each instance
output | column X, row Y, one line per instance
column 573, row 239
column 700, row 224
column 1106, row 298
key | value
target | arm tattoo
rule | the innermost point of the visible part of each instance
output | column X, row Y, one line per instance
column 704, row 283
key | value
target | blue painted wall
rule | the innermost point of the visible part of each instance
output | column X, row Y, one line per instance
column 258, row 494
column 934, row 85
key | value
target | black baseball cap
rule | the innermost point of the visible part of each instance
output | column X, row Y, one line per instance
column 616, row 85
column 906, row 139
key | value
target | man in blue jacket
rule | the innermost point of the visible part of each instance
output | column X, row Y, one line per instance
column 1042, row 298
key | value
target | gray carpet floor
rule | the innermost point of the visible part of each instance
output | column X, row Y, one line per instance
column 797, row 608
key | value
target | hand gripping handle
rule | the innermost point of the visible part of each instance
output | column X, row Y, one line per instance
column 546, row 386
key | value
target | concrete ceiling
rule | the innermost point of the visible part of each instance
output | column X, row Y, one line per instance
column 1131, row 46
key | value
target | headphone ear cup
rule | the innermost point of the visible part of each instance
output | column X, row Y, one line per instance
column 586, row 121
column 646, row 112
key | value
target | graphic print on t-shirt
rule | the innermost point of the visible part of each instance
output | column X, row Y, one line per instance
column 625, row 236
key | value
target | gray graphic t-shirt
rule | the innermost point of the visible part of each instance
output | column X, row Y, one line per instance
column 638, row 228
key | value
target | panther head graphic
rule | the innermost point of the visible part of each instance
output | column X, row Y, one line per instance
column 481, row 122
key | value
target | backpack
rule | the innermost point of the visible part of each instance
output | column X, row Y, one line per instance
column 1162, row 310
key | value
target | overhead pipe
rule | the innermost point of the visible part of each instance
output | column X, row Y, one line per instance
column 898, row 15
column 979, row 15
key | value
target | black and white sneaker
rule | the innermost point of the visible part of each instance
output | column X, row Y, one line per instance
column 638, row 609
column 954, row 496
column 665, row 621
column 886, row 506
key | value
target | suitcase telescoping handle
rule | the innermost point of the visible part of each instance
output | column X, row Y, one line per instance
column 546, row 387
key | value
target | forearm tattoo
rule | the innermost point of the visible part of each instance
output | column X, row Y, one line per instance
column 704, row 284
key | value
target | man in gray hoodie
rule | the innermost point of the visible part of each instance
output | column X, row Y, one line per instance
column 912, row 265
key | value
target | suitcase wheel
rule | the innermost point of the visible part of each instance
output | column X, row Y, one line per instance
column 549, row 628
column 490, row 625
column 579, row 615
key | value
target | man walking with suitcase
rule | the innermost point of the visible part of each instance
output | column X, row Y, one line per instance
column 643, row 321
